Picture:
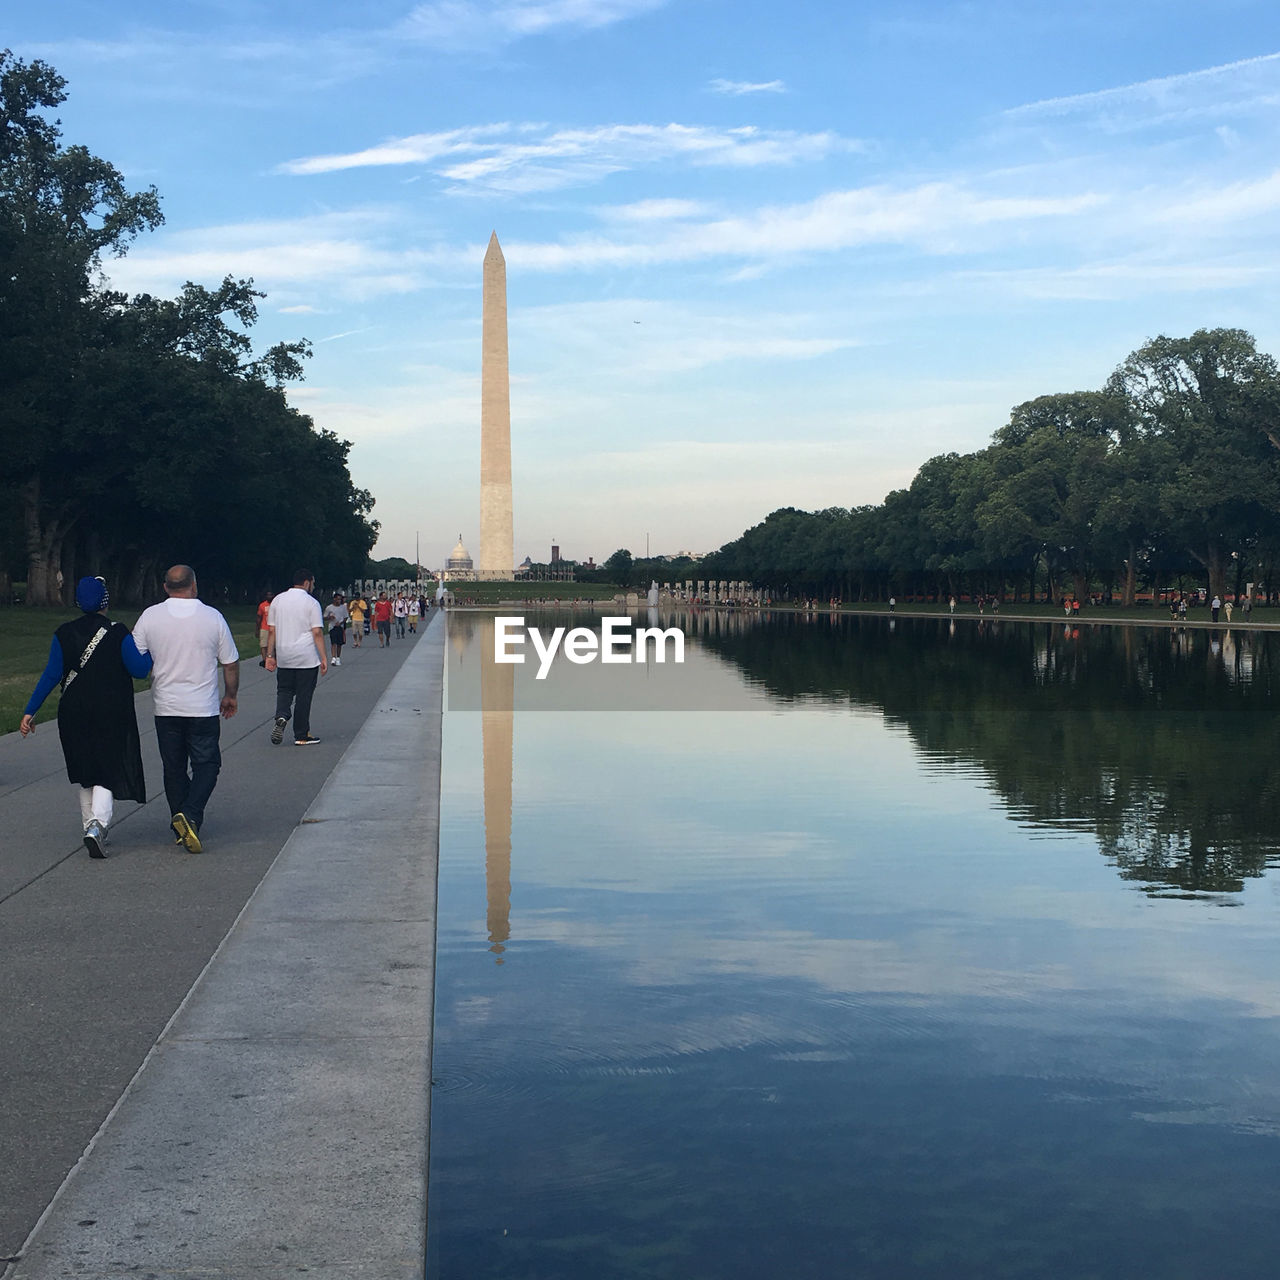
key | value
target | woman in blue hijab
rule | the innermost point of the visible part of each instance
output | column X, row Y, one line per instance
column 95, row 660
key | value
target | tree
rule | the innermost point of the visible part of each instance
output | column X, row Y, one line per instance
column 618, row 568
column 61, row 208
column 1050, row 466
column 393, row 568
column 1211, row 402
column 143, row 431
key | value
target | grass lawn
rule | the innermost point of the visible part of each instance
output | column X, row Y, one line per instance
column 493, row 592
column 24, row 649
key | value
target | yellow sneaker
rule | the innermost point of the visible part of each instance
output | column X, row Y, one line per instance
column 185, row 832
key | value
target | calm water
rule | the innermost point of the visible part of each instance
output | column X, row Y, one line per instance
column 944, row 953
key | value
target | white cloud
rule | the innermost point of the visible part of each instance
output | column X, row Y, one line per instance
column 534, row 157
column 418, row 148
column 1222, row 204
column 938, row 216
column 476, row 24
column 337, row 256
column 1248, row 84
column 1119, row 281
column 654, row 210
column 738, row 88
column 346, row 333
column 362, row 253
column 355, row 270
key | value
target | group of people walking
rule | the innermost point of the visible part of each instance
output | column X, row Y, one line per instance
column 183, row 644
column 404, row 610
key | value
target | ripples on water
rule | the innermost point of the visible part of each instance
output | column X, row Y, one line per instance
column 917, row 971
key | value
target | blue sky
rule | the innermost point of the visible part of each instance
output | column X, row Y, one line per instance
column 758, row 254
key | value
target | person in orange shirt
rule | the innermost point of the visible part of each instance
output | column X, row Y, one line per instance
column 262, row 628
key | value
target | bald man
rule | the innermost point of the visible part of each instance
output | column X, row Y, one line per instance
column 188, row 641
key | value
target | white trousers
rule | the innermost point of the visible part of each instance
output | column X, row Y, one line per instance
column 96, row 804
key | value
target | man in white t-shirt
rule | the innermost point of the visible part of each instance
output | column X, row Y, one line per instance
column 295, row 652
column 188, row 641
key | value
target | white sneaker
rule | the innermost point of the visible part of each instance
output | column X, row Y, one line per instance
column 337, row 662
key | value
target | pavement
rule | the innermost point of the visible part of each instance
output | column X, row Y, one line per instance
column 219, row 1064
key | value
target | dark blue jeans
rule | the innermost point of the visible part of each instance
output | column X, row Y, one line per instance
column 189, row 740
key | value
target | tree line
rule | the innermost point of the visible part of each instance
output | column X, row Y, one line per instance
column 1170, row 471
column 142, row 431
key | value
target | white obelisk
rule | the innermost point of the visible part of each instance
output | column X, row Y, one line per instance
column 497, row 542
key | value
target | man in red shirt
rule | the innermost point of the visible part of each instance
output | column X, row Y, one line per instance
column 382, row 620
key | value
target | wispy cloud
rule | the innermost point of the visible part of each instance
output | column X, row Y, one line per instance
column 349, row 256
column 346, row 333
column 516, row 158
column 1118, row 281
column 739, row 88
column 178, row 61
column 363, row 253
column 1222, row 204
column 418, row 148
column 658, row 210
column 938, row 217
column 484, row 24
column 1250, row 83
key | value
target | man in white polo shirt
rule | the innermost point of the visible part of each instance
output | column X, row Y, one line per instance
column 188, row 641
column 295, row 652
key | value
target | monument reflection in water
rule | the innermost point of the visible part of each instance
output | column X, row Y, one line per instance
column 951, row 952
column 497, row 726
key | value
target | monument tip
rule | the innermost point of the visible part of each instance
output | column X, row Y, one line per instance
column 494, row 249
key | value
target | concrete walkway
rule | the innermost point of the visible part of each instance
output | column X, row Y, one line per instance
column 264, row 1111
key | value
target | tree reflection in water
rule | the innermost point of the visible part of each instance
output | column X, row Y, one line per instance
column 1161, row 741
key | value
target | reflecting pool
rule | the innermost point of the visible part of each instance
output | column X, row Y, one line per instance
column 874, row 947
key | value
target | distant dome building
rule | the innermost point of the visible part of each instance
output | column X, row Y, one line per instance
column 459, row 566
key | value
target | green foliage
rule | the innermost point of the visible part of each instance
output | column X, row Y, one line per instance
column 620, row 568
column 142, row 431
column 1174, row 466
column 393, row 568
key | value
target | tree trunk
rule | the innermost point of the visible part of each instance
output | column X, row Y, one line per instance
column 44, row 548
column 1130, row 594
column 68, row 561
column 1214, row 563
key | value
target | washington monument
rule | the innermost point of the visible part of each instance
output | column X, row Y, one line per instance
column 497, row 543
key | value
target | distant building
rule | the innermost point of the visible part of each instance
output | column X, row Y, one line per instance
column 459, row 567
